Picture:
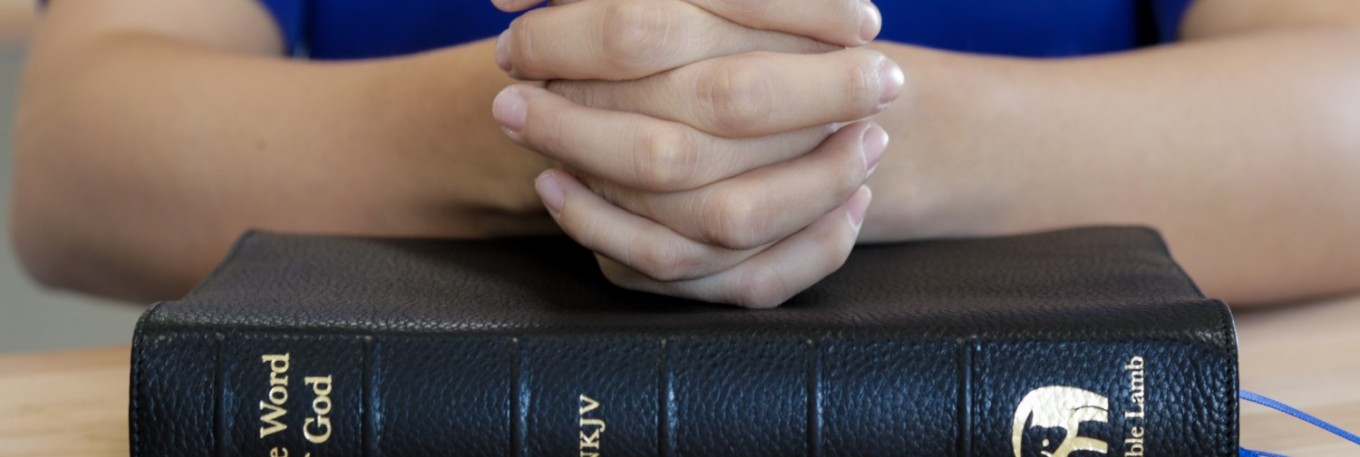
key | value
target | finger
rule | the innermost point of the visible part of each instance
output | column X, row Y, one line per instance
column 771, row 277
column 643, row 245
column 628, row 39
column 842, row 22
column 634, row 150
column 748, row 95
column 766, row 204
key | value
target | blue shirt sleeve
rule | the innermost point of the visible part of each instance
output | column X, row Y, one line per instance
column 1168, row 14
column 355, row 29
column 1030, row 28
column 290, row 15
column 377, row 28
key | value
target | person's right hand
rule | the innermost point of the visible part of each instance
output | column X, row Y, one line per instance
column 721, row 174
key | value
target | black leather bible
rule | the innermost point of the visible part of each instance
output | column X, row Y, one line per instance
column 1079, row 343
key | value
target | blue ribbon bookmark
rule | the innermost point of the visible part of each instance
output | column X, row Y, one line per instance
column 1244, row 452
column 1281, row 407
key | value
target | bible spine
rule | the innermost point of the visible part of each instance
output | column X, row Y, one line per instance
column 671, row 394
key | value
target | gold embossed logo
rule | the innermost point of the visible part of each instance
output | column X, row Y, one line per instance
column 1050, row 416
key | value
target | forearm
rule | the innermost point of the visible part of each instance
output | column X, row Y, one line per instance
column 1244, row 152
column 141, row 158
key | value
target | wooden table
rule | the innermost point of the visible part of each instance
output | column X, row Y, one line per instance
column 74, row 403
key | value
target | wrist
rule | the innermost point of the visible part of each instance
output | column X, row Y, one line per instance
column 946, row 173
column 452, row 169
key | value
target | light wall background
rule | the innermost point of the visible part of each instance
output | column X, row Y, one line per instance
column 31, row 317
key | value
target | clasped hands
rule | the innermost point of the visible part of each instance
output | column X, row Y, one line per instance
column 709, row 149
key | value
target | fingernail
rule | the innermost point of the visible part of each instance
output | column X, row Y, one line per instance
column 870, row 21
column 890, row 80
column 875, row 141
column 510, row 109
column 858, row 206
column 503, row 50
column 550, row 190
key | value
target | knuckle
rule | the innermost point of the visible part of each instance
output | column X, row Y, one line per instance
column 731, row 222
column 634, row 34
column 762, row 288
column 735, row 95
column 666, row 159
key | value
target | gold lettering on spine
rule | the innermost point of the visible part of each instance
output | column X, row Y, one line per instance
column 587, row 405
column 270, row 423
column 1137, row 394
column 590, row 427
column 1135, row 443
column 271, row 409
column 317, row 428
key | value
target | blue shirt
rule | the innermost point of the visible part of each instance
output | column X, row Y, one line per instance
column 351, row 29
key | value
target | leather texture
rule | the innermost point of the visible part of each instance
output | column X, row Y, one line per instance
column 521, row 348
